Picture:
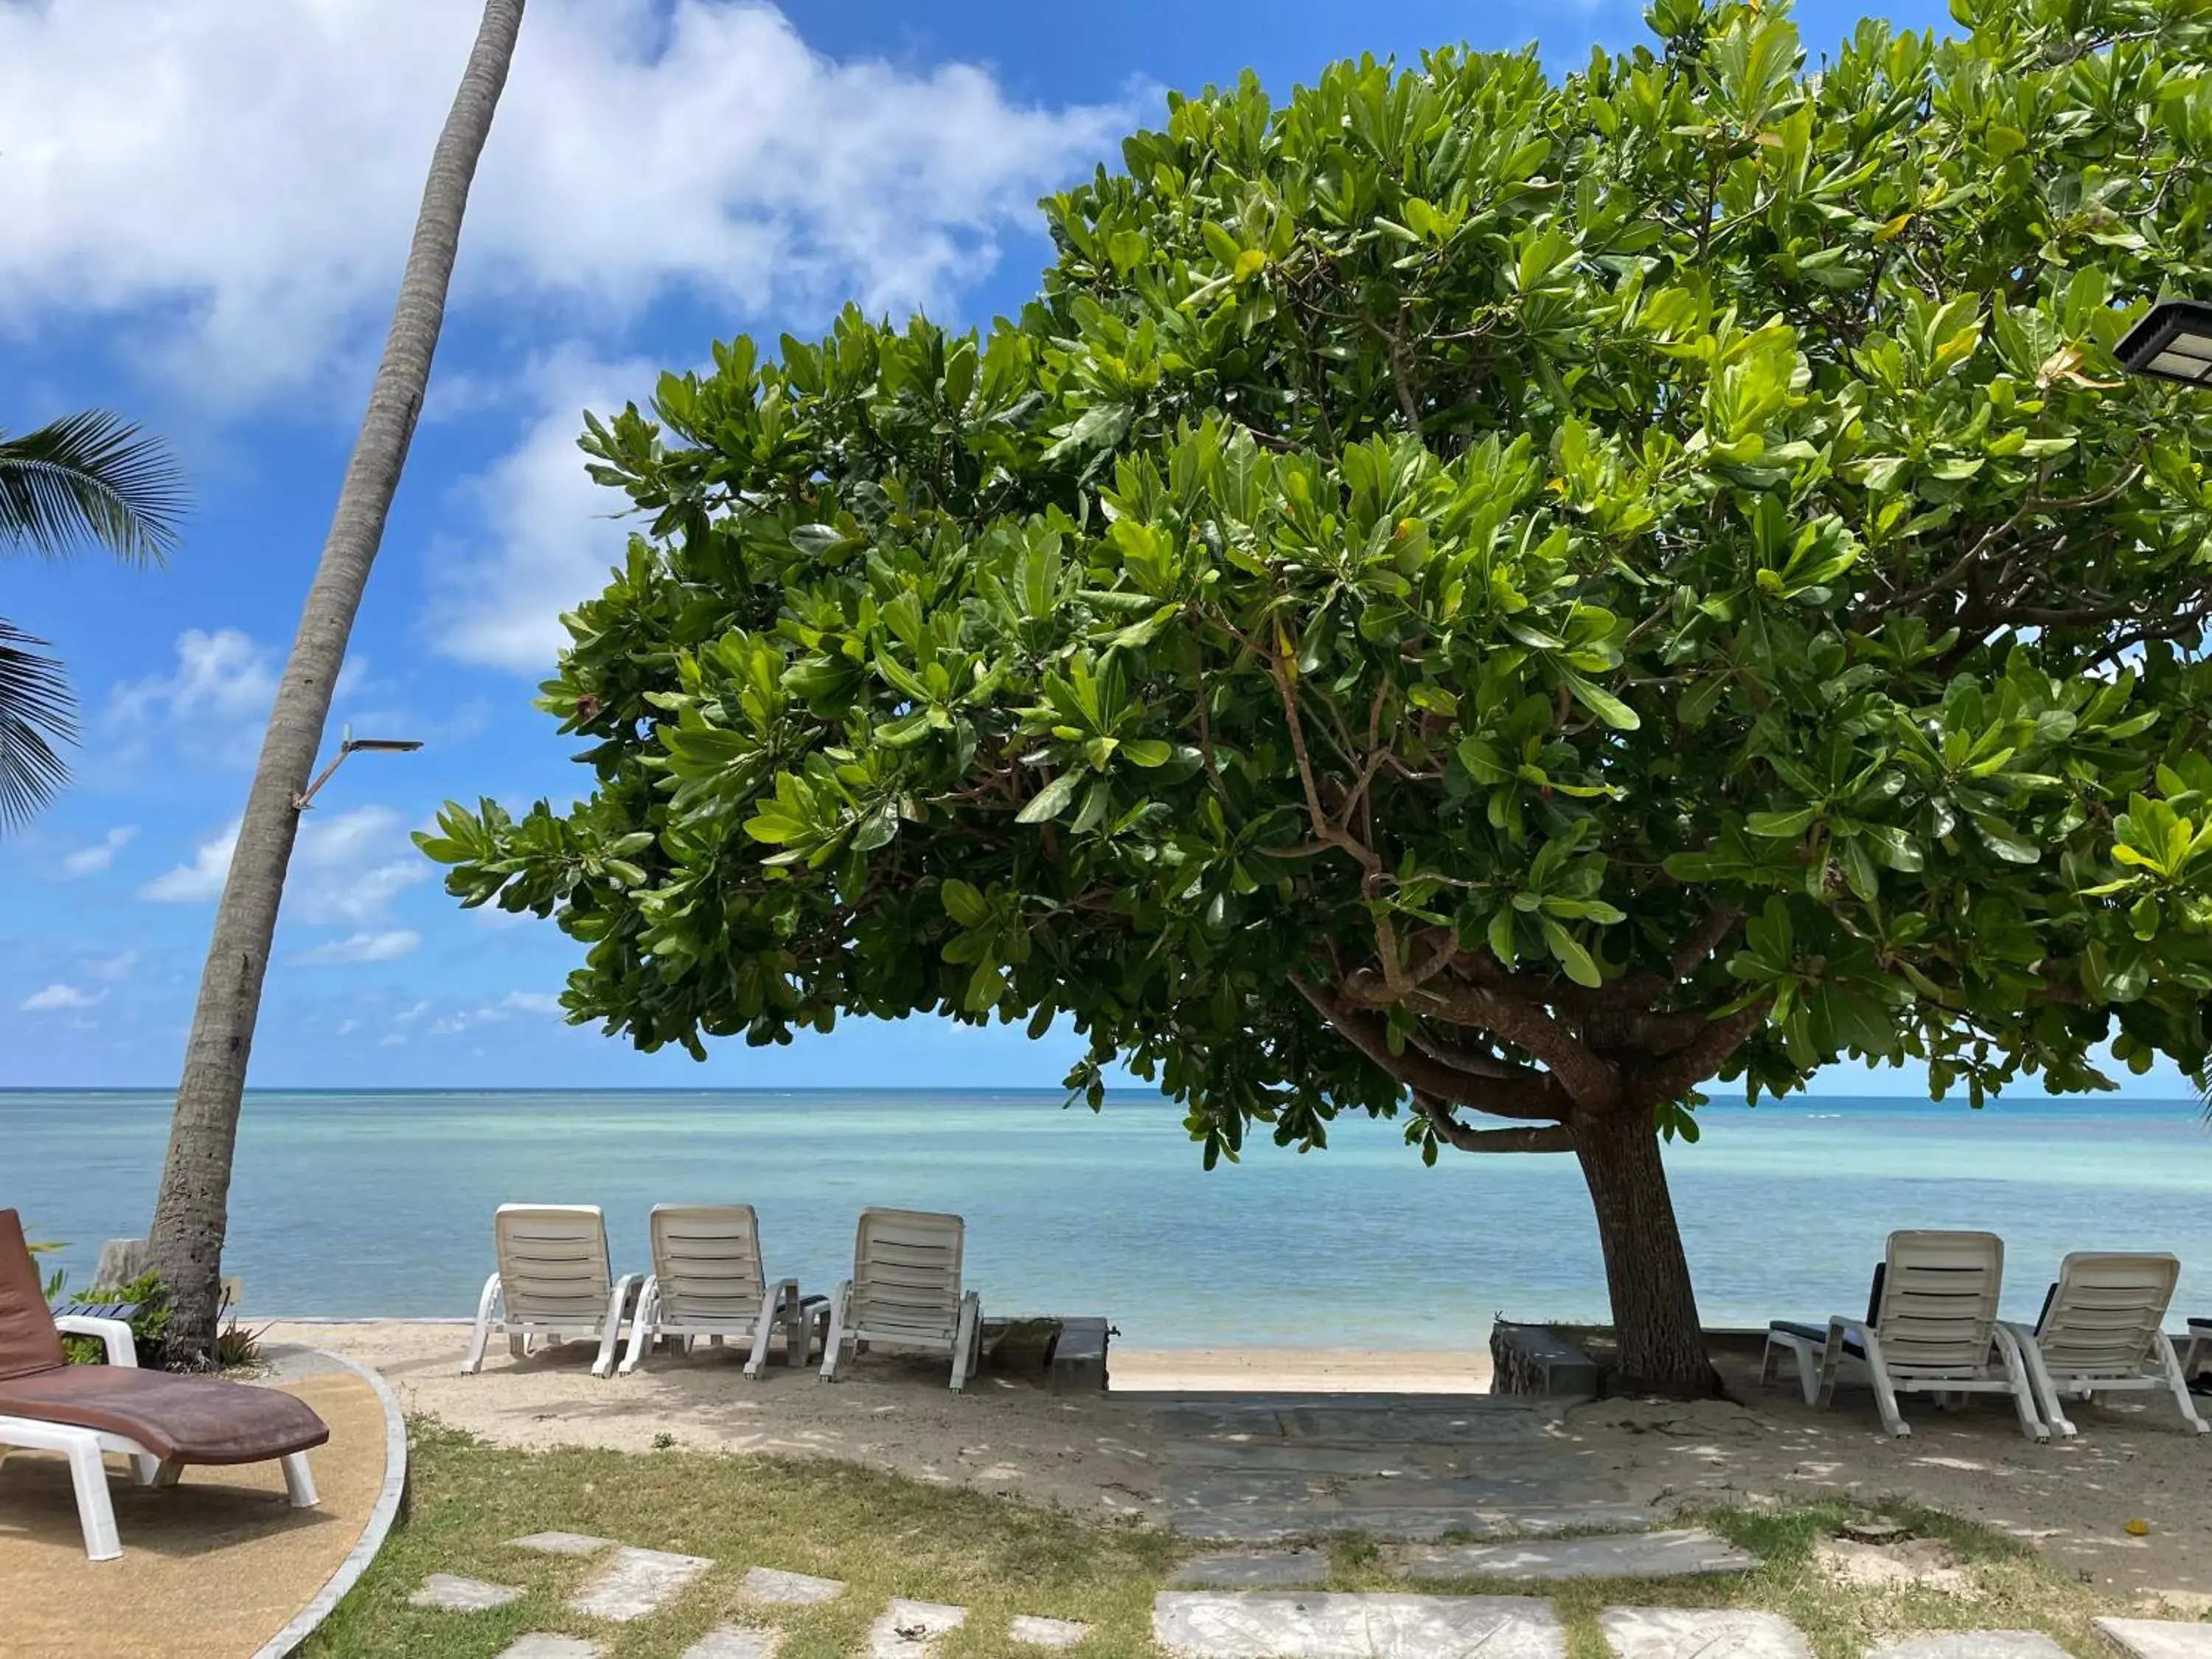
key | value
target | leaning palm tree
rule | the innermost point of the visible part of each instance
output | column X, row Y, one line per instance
column 86, row 477
column 191, row 1210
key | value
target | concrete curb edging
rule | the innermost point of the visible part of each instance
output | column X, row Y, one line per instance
column 381, row 1515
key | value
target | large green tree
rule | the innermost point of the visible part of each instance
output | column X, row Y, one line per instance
column 1470, row 595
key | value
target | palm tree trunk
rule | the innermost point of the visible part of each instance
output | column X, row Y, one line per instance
column 191, row 1210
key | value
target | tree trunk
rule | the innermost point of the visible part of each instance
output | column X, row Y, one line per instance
column 1655, row 1309
column 191, row 1212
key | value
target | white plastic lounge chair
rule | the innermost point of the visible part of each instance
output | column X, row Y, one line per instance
column 905, row 1293
column 1931, row 1328
column 2102, row 1329
column 2196, row 1358
column 160, row 1422
column 553, row 1282
column 708, row 1280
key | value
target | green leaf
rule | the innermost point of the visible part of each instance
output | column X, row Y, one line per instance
column 1571, row 955
column 1603, row 704
column 1051, row 800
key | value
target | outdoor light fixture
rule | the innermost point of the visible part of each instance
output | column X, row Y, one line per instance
column 2173, row 342
column 348, row 745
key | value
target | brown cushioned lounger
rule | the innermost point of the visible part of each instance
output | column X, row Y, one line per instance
column 161, row 1421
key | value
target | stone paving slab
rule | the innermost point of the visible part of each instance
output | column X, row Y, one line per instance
column 1286, row 1625
column 1630, row 1555
column 1272, row 1523
column 1047, row 1633
column 1396, row 1460
column 546, row 1646
column 634, row 1582
column 1973, row 1644
column 734, row 1642
column 776, row 1587
column 910, row 1629
column 1252, row 1569
column 2158, row 1638
column 454, row 1594
column 1695, row 1633
column 561, row 1543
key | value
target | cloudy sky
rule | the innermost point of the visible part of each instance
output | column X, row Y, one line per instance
column 206, row 214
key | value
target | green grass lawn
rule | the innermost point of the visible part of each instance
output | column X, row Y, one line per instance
column 886, row 1536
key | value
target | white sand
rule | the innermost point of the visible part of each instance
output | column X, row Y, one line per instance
column 1095, row 1454
column 1299, row 1370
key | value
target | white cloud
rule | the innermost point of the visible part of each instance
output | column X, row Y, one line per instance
column 552, row 539
column 345, row 868
column 199, row 881
column 91, row 860
column 531, row 1002
column 215, row 705
column 263, row 164
column 385, row 947
column 111, row 968
column 59, row 996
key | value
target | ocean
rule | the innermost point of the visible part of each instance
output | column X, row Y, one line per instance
column 380, row 1204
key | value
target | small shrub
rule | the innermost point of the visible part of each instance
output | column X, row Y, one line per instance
column 234, row 1347
column 148, row 1326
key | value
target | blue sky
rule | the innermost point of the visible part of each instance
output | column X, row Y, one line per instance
column 207, row 214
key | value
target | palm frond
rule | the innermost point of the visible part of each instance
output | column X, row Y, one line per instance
column 89, row 476
column 37, row 711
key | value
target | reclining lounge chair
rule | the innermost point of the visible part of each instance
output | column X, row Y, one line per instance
column 708, row 1280
column 905, row 1293
column 553, row 1282
column 161, row 1422
column 2102, row 1330
column 1931, row 1328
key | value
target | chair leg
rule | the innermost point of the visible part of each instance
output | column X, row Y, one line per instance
column 2177, row 1382
column 1885, row 1392
column 95, row 1510
column 2039, row 1373
column 618, row 1303
column 967, row 1338
column 167, row 1475
column 833, row 1346
column 299, row 1481
column 2023, row 1391
column 641, row 1327
column 764, row 1322
column 482, row 1334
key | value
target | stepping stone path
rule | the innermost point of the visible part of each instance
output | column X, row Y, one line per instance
column 793, row 1590
column 1047, row 1633
column 1263, row 1468
column 910, row 1629
column 1251, row 1569
column 634, row 1582
column 455, row 1594
column 1632, row 1555
column 552, row 1647
column 734, row 1642
column 561, row 1543
column 1285, row 1625
column 2158, row 1638
column 1974, row 1644
column 1685, row 1633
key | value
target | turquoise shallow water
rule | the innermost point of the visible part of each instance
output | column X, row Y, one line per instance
column 380, row 1204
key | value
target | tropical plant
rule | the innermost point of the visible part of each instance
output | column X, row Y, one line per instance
column 190, row 1211
column 86, row 477
column 1467, row 595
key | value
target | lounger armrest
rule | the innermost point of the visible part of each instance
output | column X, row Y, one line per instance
column 112, row 1334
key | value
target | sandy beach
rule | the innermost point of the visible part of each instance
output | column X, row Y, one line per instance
column 1096, row 1455
column 1298, row 1371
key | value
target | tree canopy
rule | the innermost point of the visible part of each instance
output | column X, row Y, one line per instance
column 1466, row 592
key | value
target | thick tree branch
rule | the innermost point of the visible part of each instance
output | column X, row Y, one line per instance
column 1680, row 1072
column 1550, row 1137
column 1587, row 1077
column 1706, row 939
column 1529, row 1094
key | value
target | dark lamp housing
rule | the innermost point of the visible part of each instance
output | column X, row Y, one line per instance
column 2173, row 342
